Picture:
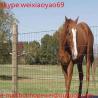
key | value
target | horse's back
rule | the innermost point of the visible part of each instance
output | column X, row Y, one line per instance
column 86, row 28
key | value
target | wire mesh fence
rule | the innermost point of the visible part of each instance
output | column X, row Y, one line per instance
column 39, row 71
column 44, row 76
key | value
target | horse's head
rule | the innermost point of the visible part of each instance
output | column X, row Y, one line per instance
column 71, row 32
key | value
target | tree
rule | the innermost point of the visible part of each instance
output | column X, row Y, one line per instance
column 5, row 31
column 45, row 54
column 54, row 48
column 31, row 52
column 49, row 47
column 34, row 51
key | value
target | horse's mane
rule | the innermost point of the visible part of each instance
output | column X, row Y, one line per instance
column 61, row 28
column 62, row 38
column 61, row 32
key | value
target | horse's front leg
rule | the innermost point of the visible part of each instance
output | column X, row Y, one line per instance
column 66, row 77
column 67, row 66
column 69, row 78
column 64, row 69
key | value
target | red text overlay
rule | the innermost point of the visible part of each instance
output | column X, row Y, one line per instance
column 40, row 95
column 32, row 5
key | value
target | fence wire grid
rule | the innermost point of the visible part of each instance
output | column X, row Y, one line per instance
column 38, row 69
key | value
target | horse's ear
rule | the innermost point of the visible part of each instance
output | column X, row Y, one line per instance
column 77, row 19
column 66, row 18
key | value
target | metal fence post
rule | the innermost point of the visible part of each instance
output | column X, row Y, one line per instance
column 14, row 58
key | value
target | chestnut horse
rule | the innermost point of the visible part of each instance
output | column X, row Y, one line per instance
column 75, row 42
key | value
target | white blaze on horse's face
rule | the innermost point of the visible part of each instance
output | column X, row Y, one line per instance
column 74, row 49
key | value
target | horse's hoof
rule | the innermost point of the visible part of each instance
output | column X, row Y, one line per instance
column 79, row 95
column 67, row 95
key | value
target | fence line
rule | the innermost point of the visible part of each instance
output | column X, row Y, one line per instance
column 37, row 35
column 38, row 77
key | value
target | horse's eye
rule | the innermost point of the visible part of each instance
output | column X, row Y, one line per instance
column 69, row 33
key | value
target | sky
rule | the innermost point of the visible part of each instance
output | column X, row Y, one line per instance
column 34, row 19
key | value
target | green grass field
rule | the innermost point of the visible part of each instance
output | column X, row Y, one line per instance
column 43, row 79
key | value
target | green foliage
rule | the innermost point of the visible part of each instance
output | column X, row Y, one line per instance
column 44, row 52
column 33, row 52
column 30, row 53
column 49, row 46
column 5, row 41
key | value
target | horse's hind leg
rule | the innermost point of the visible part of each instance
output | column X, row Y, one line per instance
column 87, row 76
column 80, row 70
column 89, row 58
column 89, row 63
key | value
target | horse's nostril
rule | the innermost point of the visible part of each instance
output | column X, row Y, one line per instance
column 74, row 57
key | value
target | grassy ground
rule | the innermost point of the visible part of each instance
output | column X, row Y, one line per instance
column 42, row 79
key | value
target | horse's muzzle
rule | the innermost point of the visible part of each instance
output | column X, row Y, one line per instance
column 74, row 55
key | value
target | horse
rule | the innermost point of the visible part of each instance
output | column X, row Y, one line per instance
column 75, row 42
